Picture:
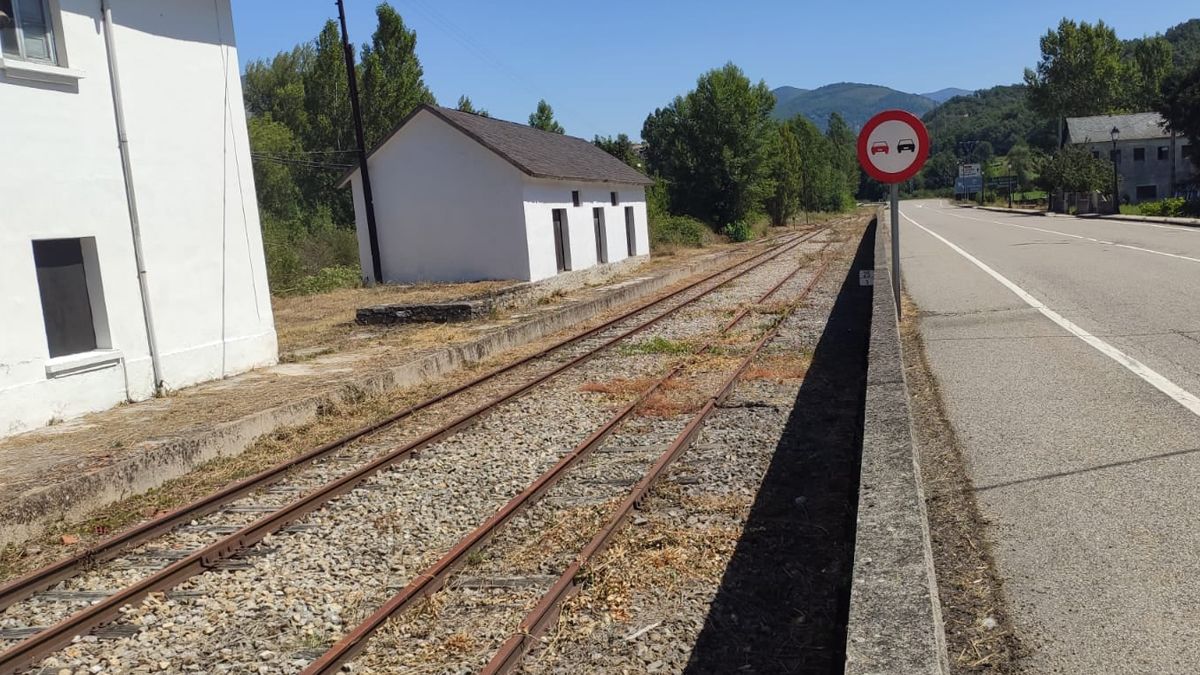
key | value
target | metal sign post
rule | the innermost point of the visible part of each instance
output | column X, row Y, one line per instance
column 892, row 148
column 896, row 245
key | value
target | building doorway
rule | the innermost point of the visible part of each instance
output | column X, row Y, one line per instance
column 630, row 232
column 560, row 239
column 601, row 236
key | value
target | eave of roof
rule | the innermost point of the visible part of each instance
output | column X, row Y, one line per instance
column 345, row 179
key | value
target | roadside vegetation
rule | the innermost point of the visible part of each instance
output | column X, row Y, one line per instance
column 726, row 171
column 1084, row 69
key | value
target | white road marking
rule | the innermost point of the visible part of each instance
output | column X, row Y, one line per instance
column 1078, row 236
column 1156, row 380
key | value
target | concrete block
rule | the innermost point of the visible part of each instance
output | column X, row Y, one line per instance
column 895, row 623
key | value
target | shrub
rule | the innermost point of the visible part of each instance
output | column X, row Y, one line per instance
column 739, row 230
column 1172, row 207
column 328, row 279
column 667, row 231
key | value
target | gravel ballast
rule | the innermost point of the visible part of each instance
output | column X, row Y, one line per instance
column 277, row 607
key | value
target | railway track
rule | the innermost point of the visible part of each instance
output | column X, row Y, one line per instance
column 318, row 477
column 510, row 587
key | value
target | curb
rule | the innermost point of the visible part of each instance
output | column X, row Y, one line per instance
column 1186, row 222
column 157, row 461
column 895, row 623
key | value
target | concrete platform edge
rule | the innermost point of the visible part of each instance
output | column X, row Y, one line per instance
column 31, row 513
column 895, row 622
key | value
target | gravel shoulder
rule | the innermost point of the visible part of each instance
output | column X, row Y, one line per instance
column 979, row 630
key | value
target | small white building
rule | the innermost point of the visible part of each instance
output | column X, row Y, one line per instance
column 85, row 325
column 461, row 197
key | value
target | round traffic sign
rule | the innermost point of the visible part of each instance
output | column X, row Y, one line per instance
column 893, row 146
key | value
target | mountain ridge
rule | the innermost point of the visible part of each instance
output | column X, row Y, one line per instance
column 856, row 102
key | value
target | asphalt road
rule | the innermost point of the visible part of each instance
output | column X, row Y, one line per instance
column 1070, row 370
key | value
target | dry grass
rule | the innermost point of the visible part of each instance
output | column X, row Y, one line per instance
column 968, row 585
column 324, row 319
column 333, row 421
column 657, row 556
column 779, row 368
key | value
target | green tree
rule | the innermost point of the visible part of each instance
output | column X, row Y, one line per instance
column 330, row 129
column 1153, row 60
column 543, row 118
column 276, row 88
column 1021, row 163
column 712, row 146
column 940, row 171
column 465, row 105
column 275, row 182
column 302, row 140
column 1080, row 72
column 620, row 147
column 786, row 175
column 391, row 76
column 1073, row 169
column 822, row 184
column 1180, row 106
column 843, row 148
column 1185, row 39
column 982, row 153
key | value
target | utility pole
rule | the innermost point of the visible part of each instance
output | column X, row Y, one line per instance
column 356, row 112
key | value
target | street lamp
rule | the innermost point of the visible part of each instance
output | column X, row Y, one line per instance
column 1116, row 134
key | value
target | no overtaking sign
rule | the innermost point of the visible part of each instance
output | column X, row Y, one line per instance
column 892, row 147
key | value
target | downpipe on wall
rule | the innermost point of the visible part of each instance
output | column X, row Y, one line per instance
column 131, row 199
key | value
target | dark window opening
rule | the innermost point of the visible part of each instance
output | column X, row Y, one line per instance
column 66, row 306
column 601, row 238
column 1139, row 154
column 26, row 31
column 630, row 231
column 1095, row 154
column 1114, row 156
column 613, row 197
column 575, row 197
column 1147, row 192
column 560, row 239
column 1187, row 151
column 1164, row 153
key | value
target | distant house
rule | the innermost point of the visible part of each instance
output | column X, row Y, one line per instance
column 460, row 197
column 125, row 267
column 1150, row 163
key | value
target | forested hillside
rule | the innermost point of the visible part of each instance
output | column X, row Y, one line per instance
column 856, row 103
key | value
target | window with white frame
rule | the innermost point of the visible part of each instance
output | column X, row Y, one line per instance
column 27, row 31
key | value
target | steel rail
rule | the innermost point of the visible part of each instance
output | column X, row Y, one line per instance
column 508, row 658
column 49, row 640
column 433, row 578
column 45, row 577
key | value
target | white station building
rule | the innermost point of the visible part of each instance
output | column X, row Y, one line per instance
column 126, row 267
column 461, row 197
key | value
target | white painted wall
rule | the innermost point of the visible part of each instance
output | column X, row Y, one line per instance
column 191, row 163
column 542, row 196
column 447, row 209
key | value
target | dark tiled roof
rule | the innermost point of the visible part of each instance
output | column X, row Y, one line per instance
column 537, row 153
column 1097, row 129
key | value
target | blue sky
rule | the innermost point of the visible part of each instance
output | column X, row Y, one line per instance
column 604, row 66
